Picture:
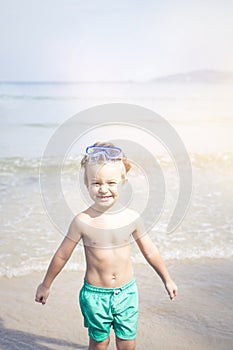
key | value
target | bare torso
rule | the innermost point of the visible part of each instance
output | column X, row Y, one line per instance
column 106, row 239
column 109, row 267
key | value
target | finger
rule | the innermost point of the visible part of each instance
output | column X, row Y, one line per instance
column 37, row 299
column 41, row 300
column 172, row 295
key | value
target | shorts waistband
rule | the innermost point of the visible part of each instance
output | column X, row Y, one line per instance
column 108, row 290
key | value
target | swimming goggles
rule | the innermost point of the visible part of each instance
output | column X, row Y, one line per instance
column 103, row 153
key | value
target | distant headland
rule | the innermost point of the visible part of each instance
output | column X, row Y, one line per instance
column 197, row 76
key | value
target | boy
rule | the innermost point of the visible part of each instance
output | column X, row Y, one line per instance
column 109, row 294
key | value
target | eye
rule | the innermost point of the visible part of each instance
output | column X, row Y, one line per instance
column 112, row 183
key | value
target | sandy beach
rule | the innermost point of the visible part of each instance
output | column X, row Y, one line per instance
column 200, row 317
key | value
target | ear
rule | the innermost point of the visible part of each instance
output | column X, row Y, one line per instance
column 124, row 179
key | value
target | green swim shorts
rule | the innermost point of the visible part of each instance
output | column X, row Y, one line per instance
column 106, row 307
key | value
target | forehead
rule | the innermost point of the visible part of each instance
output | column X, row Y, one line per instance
column 105, row 170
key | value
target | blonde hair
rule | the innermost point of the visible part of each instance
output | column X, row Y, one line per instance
column 84, row 160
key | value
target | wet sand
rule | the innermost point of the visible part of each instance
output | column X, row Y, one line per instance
column 199, row 319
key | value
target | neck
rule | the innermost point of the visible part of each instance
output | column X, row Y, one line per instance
column 114, row 209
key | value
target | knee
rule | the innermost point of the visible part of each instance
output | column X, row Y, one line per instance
column 125, row 344
column 93, row 345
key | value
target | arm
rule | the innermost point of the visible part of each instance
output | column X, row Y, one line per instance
column 152, row 255
column 58, row 261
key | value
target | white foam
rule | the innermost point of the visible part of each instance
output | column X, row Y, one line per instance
column 11, row 272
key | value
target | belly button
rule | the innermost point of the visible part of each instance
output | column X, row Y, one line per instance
column 113, row 277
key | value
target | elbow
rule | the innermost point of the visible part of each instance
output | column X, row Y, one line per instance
column 151, row 255
column 60, row 256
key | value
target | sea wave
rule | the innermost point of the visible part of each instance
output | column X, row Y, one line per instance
column 205, row 232
column 179, row 255
column 198, row 160
column 16, row 271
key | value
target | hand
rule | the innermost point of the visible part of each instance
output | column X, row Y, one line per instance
column 42, row 294
column 171, row 289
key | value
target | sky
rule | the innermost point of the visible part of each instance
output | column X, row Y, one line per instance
column 106, row 40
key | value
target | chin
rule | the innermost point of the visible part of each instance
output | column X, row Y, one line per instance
column 105, row 203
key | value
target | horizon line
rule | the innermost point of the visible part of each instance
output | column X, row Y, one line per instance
column 129, row 80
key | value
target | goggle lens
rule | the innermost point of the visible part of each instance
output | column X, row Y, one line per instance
column 103, row 152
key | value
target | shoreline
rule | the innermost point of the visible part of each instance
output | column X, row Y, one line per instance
column 199, row 318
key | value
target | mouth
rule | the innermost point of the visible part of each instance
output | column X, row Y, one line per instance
column 104, row 197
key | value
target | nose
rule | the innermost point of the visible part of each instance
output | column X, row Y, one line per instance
column 103, row 188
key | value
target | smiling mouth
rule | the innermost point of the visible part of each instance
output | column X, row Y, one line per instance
column 104, row 197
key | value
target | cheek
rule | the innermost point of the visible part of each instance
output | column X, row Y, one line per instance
column 115, row 190
column 92, row 190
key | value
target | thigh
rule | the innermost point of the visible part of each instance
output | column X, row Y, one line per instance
column 126, row 318
column 95, row 310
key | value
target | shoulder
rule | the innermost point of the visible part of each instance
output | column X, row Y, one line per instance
column 77, row 224
column 133, row 218
column 132, row 213
column 83, row 216
column 138, row 224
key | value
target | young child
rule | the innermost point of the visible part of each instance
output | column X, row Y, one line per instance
column 109, row 293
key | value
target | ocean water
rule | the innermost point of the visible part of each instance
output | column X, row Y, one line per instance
column 30, row 114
